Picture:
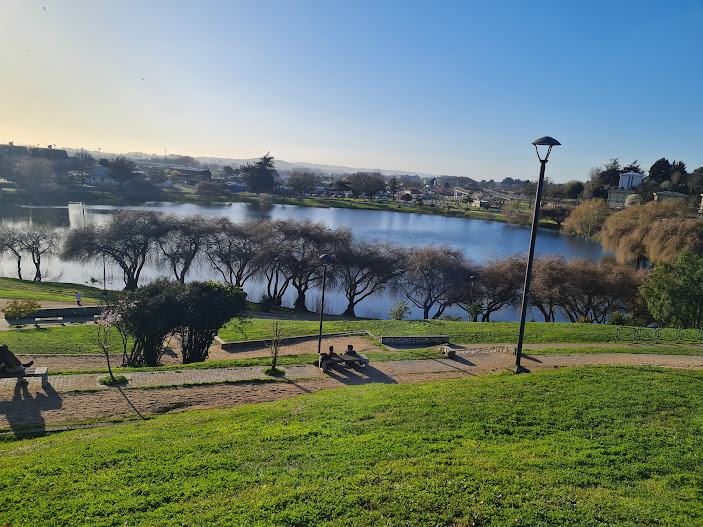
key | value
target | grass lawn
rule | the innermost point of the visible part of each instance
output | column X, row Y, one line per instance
column 57, row 339
column 637, row 349
column 13, row 288
column 459, row 332
column 589, row 446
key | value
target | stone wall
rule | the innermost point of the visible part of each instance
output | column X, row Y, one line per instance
column 423, row 340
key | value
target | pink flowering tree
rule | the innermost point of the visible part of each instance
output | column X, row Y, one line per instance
column 112, row 318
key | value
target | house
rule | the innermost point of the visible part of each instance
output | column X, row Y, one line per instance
column 100, row 175
column 617, row 197
column 190, row 176
column 667, row 195
column 480, row 203
column 630, row 180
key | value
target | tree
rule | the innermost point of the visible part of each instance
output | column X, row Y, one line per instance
column 633, row 167
column 587, row 219
column 151, row 314
column 305, row 242
column 625, row 232
column 499, row 284
column 393, row 186
column 592, row 291
column 556, row 213
column 303, row 181
column 548, row 279
column 366, row 184
column 228, row 171
column 660, row 171
column 122, row 169
column 82, row 161
column 674, row 293
column 667, row 239
column 128, row 239
column 36, row 174
column 433, row 278
column 259, row 176
column 9, row 241
column 157, row 175
column 234, row 250
column 181, row 241
column 366, row 268
column 204, row 307
column 38, row 240
column 210, row 190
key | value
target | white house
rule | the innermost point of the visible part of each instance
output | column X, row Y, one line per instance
column 100, row 175
column 630, row 180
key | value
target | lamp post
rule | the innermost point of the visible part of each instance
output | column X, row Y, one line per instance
column 102, row 247
column 550, row 142
column 325, row 260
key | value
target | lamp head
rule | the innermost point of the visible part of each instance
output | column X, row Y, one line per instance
column 325, row 258
column 545, row 141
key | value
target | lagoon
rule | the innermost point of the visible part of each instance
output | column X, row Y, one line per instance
column 477, row 239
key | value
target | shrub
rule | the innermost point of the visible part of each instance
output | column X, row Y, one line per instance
column 400, row 310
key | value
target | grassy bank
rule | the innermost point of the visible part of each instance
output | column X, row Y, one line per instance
column 458, row 332
column 13, row 288
column 591, row 446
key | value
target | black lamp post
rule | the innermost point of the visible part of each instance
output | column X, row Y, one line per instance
column 550, row 142
column 325, row 260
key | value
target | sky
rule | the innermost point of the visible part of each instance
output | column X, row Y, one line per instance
column 443, row 87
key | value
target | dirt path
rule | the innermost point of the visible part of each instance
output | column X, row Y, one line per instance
column 31, row 406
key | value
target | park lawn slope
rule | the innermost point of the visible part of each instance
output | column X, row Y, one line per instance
column 458, row 332
column 56, row 339
column 14, row 289
column 588, row 446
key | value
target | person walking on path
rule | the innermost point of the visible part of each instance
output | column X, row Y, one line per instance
column 78, row 298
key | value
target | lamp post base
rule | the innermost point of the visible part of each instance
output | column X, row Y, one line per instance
column 518, row 369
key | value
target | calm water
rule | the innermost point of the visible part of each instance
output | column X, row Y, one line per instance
column 477, row 239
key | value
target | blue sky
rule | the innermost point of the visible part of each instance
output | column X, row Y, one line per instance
column 458, row 88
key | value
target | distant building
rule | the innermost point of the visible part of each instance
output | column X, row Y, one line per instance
column 617, row 197
column 480, row 203
column 667, row 195
column 630, row 180
column 100, row 175
column 190, row 176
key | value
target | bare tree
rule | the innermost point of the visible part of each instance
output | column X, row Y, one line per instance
column 499, row 284
column 182, row 240
column 233, row 250
column 273, row 245
column 592, row 291
column 36, row 174
column 128, row 239
column 9, row 242
column 368, row 184
column 365, row 269
column 37, row 241
column 548, row 279
column 305, row 243
column 433, row 278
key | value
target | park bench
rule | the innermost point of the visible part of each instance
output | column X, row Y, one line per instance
column 324, row 362
column 29, row 372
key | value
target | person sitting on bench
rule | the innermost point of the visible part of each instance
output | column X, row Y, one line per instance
column 9, row 363
column 350, row 350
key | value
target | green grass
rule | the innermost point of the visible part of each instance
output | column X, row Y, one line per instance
column 636, row 349
column 57, row 339
column 13, row 288
column 590, row 446
column 459, row 332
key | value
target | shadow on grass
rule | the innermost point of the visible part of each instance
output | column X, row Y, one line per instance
column 24, row 411
column 356, row 375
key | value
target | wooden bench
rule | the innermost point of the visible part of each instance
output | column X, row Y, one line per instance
column 359, row 359
column 29, row 372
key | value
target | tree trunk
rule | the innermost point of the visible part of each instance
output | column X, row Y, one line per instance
column 300, row 301
column 349, row 312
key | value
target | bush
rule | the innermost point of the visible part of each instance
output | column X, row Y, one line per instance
column 400, row 310
column 21, row 308
column 114, row 381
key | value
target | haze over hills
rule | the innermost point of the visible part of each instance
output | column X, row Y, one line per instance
column 281, row 165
